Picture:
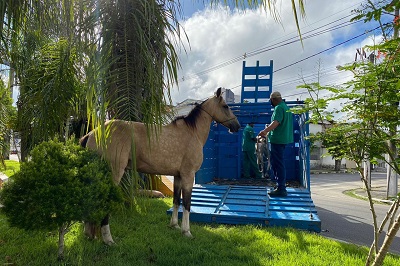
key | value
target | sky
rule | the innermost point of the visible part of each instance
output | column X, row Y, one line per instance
column 220, row 38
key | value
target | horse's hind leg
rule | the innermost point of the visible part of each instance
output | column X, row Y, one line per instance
column 187, row 186
column 105, row 226
column 105, row 231
column 90, row 230
column 176, row 201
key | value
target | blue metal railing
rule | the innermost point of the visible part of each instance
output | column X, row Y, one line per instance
column 222, row 152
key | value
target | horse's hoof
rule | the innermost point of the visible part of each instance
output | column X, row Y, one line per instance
column 174, row 226
column 109, row 243
column 187, row 234
column 157, row 194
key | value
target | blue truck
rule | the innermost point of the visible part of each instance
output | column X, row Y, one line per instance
column 235, row 203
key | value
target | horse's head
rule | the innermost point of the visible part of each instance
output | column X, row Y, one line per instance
column 221, row 113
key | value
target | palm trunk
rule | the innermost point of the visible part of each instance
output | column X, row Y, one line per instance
column 6, row 148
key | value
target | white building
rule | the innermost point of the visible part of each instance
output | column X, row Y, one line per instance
column 319, row 157
column 183, row 108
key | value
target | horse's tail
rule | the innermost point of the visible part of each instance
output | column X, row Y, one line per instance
column 83, row 141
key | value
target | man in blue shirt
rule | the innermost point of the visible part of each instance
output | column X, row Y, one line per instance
column 280, row 133
column 249, row 153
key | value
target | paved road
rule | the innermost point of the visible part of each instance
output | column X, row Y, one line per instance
column 343, row 217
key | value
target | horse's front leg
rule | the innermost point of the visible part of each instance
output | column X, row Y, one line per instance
column 187, row 186
column 117, row 175
column 176, row 202
column 105, row 231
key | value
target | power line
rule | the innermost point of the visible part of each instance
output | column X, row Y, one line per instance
column 326, row 17
column 291, row 80
column 280, row 44
column 276, row 45
column 323, row 51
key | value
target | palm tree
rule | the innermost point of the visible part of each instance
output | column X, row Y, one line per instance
column 123, row 57
column 43, row 58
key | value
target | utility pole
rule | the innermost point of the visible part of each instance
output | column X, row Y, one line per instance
column 391, row 175
column 367, row 163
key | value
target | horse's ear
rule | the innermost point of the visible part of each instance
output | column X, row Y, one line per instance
column 218, row 92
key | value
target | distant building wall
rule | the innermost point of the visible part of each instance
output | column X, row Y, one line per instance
column 183, row 108
column 319, row 157
column 228, row 95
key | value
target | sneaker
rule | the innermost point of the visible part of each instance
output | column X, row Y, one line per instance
column 278, row 193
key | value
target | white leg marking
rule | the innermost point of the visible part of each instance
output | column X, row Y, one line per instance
column 185, row 223
column 106, row 235
column 174, row 218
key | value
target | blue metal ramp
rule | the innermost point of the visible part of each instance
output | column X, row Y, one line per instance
column 234, row 204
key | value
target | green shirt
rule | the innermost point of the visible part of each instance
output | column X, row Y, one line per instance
column 248, row 143
column 282, row 134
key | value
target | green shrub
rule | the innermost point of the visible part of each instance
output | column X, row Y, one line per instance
column 59, row 185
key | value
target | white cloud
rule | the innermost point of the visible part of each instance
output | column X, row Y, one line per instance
column 219, row 35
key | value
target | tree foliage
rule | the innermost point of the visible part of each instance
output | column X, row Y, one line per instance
column 369, row 103
column 7, row 116
column 124, row 53
column 61, row 184
column 51, row 93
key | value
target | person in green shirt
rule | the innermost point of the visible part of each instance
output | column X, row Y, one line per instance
column 280, row 133
column 250, row 167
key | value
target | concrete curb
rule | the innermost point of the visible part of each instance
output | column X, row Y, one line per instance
column 356, row 192
column 317, row 172
column 376, row 199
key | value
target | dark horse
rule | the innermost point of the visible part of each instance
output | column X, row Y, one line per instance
column 176, row 150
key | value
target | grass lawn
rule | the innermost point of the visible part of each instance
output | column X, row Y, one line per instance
column 11, row 167
column 144, row 238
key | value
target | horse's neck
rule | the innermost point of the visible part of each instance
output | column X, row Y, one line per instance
column 203, row 124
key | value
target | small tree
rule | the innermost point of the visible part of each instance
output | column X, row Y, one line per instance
column 60, row 185
column 332, row 139
column 370, row 110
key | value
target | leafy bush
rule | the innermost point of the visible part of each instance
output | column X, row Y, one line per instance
column 59, row 185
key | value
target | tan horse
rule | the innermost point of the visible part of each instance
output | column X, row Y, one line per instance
column 177, row 150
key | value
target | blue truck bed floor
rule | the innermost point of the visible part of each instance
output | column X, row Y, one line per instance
column 235, row 204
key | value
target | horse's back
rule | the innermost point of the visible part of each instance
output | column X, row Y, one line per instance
column 165, row 151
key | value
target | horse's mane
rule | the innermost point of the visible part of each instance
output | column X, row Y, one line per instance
column 190, row 119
